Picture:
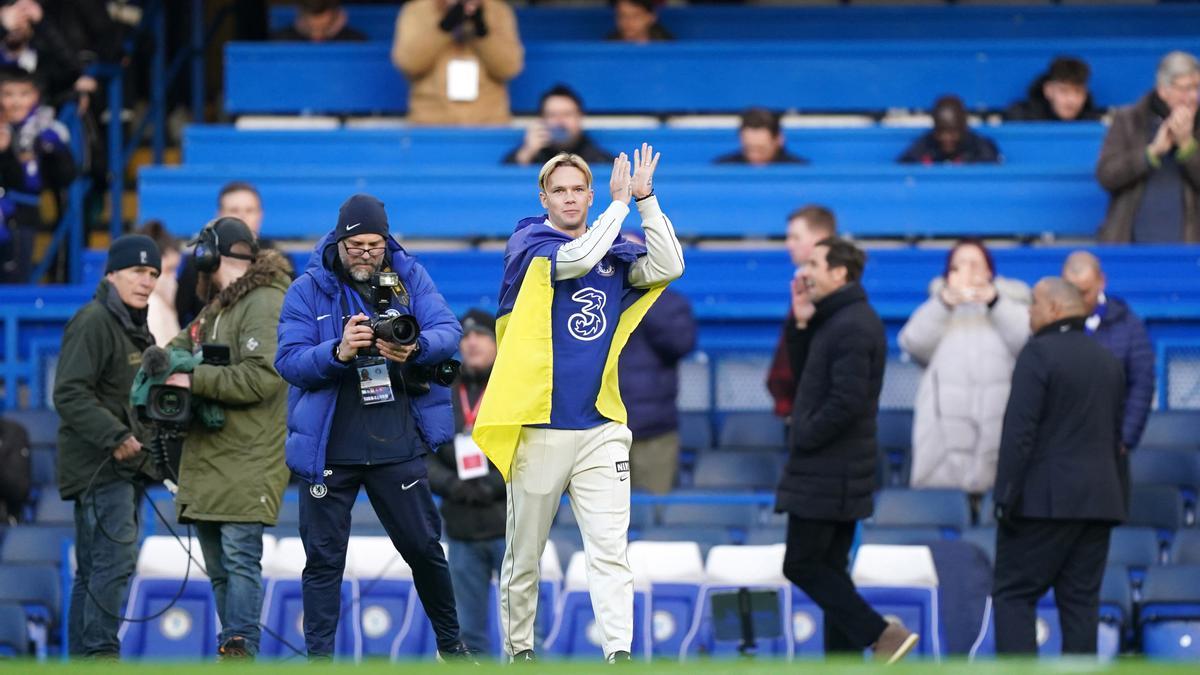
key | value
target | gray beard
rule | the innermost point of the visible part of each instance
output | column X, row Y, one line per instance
column 360, row 275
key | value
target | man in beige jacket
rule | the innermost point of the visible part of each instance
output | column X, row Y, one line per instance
column 458, row 56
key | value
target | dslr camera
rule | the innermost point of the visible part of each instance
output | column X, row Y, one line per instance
column 390, row 325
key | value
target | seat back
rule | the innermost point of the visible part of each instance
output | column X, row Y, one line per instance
column 14, row 633
column 925, row 507
column 576, row 634
column 169, row 580
column 283, row 606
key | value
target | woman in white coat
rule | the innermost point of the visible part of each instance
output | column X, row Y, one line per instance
column 966, row 336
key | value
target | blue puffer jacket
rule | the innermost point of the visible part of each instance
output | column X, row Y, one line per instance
column 309, row 327
column 1125, row 336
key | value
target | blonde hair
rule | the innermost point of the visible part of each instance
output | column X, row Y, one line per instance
column 563, row 159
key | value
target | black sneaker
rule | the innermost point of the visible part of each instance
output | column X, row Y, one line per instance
column 526, row 656
column 460, row 653
column 619, row 657
column 234, row 649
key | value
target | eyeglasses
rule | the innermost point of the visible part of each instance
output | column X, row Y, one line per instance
column 355, row 252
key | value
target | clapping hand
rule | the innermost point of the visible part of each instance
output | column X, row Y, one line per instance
column 619, row 184
column 644, row 164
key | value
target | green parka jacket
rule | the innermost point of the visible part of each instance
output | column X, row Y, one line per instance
column 237, row 474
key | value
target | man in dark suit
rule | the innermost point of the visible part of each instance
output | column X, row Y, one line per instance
column 838, row 350
column 1059, row 485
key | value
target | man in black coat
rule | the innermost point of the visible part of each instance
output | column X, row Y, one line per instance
column 1059, row 484
column 838, row 349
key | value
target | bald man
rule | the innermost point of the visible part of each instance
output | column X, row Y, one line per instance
column 1116, row 327
column 1059, row 485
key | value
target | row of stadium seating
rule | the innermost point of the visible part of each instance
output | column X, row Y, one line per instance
column 961, row 21
column 816, row 75
column 673, row 616
column 1028, row 144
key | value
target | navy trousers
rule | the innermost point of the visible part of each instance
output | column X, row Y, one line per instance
column 414, row 526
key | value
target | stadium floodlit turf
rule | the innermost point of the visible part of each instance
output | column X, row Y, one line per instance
column 755, row 667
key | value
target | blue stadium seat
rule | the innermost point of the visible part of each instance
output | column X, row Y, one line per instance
column 983, row 537
column 728, row 568
column 765, row 536
column 574, row 634
column 1116, row 610
column 894, row 429
column 902, row 581
column 1134, row 546
column 641, row 515
column 749, row 429
column 14, row 635
column 364, row 521
column 1156, row 506
column 737, row 471
column 707, row 536
column 675, row 571
column 567, row 540
column 934, row 507
column 42, row 467
column 987, row 509
column 1166, row 466
column 724, row 515
column 392, row 623
column 53, row 510
column 1172, row 429
column 33, row 544
column 1170, row 613
column 695, row 431
column 38, row 589
column 1185, row 547
column 187, row 627
column 283, row 607
column 900, row 535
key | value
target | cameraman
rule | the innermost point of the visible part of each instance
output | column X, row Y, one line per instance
column 352, row 422
column 231, row 479
column 99, row 451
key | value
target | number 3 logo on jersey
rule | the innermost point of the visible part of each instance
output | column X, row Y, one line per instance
column 588, row 323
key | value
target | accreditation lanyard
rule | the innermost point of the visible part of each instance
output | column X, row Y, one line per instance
column 374, row 379
column 469, row 412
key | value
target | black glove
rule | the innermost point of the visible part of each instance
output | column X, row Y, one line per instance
column 453, row 18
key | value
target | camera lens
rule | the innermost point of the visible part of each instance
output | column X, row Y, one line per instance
column 169, row 404
column 402, row 330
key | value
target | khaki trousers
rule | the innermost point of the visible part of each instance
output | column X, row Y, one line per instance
column 592, row 466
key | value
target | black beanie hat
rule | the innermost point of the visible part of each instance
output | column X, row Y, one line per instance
column 361, row 214
column 478, row 321
column 133, row 250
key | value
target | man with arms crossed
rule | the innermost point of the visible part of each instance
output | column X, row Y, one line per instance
column 552, row 418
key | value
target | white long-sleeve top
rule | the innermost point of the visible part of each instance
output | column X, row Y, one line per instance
column 663, row 261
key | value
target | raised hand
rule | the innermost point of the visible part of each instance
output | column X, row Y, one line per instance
column 619, row 184
column 644, row 164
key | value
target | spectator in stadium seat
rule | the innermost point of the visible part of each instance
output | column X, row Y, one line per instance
column 458, row 56
column 472, row 489
column 762, row 141
column 805, row 227
column 1059, row 485
column 34, row 156
column 966, row 336
column 950, row 141
column 558, row 129
column 231, row 479
column 648, row 375
column 1117, row 327
column 319, row 21
column 1150, row 163
column 161, row 315
column 101, row 462
column 1058, row 95
column 637, row 22
column 237, row 199
column 838, row 348
column 28, row 43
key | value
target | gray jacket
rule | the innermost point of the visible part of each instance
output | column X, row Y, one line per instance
column 968, row 353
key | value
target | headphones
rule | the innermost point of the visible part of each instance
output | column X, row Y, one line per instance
column 207, row 252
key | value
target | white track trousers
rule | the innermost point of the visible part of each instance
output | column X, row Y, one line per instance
column 593, row 466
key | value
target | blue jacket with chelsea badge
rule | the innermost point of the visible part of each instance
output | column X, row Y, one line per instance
column 310, row 325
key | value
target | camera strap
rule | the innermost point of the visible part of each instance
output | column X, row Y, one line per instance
column 374, row 377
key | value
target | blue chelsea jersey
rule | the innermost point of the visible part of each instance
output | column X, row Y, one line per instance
column 585, row 315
